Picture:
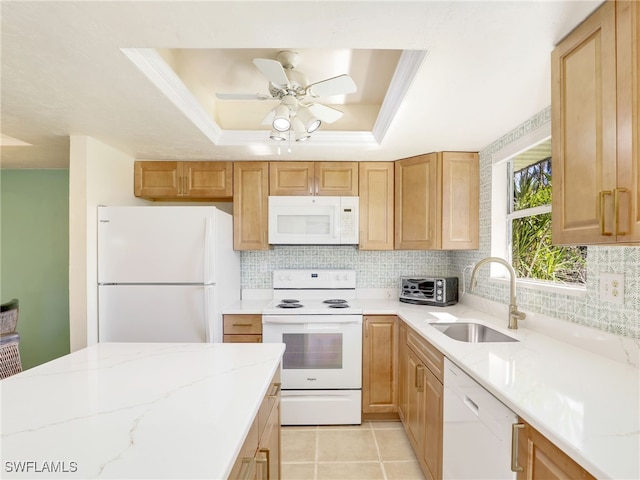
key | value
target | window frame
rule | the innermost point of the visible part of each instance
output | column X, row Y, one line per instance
column 501, row 195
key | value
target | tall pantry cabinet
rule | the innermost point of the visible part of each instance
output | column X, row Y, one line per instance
column 595, row 128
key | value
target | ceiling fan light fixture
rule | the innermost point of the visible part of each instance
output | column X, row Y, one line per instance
column 299, row 131
column 308, row 119
column 281, row 120
column 278, row 136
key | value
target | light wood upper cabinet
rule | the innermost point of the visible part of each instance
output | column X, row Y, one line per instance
column 437, row 202
column 376, row 205
column 596, row 131
column 542, row 460
column 169, row 180
column 250, row 205
column 313, row 178
column 380, row 364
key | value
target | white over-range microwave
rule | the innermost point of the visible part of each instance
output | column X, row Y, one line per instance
column 308, row 220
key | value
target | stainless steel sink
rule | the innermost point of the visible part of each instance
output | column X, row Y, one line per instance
column 471, row 332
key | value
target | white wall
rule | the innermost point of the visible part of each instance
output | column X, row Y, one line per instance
column 98, row 175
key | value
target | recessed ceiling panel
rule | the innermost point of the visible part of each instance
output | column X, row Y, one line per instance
column 206, row 72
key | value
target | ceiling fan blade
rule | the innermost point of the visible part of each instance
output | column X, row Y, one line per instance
column 273, row 70
column 325, row 114
column 243, row 96
column 268, row 120
column 340, row 85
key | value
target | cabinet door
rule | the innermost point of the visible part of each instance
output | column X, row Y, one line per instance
column 250, row 205
column 583, row 99
column 460, row 200
column 376, row 205
column 542, row 460
column 414, row 414
column 403, row 379
column 269, row 431
column 628, row 120
column 379, row 364
column 291, row 178
column 431, row 453
column 156, row 179
column 207, row 179
column 417, row 206
column 245, row 465
column 336, row 178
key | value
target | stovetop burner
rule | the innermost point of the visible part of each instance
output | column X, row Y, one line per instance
column 289, row 305
column 290, row 300
column 334, row 301
column 339, row 305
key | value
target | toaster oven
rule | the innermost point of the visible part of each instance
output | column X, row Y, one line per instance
column 440, row 291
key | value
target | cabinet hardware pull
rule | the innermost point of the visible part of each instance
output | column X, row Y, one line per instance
column 514, row 447
column 616, row 204
column 603, row 194
column 276, row 389
column 242, row 324
column 420, row 386
column 267, row 461
column 246, row 463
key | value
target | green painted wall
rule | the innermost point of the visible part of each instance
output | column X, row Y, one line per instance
column 34, row 254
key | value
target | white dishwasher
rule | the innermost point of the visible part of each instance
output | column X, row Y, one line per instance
column 477, row 430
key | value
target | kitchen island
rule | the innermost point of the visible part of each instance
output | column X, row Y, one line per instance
column 130, row 410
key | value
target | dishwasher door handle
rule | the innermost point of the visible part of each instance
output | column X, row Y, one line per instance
column 514, row 447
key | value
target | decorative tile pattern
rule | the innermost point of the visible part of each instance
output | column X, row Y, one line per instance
column 383, row 269
column 622, row 320
column 374, row 269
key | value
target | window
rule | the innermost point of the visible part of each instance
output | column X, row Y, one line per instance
column 533, row 256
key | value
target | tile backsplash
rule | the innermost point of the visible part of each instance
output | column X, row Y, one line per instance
column 379, row 269
column 382, row 269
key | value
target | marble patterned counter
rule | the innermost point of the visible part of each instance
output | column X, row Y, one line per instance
column 125, row 410
column 578, row 386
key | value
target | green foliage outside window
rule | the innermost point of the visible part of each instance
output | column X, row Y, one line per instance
column 533, row 254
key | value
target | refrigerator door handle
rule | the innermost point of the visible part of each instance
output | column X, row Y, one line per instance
column 207, row 250
column 207, row 315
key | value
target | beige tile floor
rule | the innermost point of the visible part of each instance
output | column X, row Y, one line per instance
column 371, row 451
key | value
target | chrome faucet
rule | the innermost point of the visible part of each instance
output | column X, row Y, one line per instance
column 514, row 314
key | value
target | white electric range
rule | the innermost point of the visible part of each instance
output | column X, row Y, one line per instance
column 316, row 315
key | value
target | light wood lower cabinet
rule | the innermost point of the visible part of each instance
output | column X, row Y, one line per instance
column 259, row 457
column 421, row 401
column 542, row 460
column 380, row 366
column 242, row 328
column 171, row 180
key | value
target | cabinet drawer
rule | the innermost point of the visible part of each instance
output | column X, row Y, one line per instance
column 271, row 401
column 242, row 324
column 431, row 356
column 242, row 339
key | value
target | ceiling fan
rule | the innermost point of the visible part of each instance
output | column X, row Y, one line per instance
column 297, row 110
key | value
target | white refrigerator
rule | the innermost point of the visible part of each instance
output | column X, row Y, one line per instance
column 165, row 273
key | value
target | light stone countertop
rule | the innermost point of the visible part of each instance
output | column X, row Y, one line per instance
column 578, row 386
column 132, row 410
